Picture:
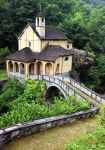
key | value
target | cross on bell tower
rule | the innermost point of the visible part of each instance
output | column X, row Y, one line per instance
column 40, row 5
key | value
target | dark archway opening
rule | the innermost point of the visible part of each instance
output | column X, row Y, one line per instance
column 53, row 92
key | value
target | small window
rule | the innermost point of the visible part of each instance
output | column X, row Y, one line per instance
column 66, row 58
column 37, row 21
column 29, row 43
column 42, row 20
column 67, row 45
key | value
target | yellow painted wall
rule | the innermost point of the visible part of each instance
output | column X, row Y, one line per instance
column 64, row 66
column 29, row 36
column 62, row 43
column 67, row 65
column 37, row 45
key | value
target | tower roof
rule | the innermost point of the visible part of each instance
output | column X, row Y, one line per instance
column 41, row 15
column 51, row 33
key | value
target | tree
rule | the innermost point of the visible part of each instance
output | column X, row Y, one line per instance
column 10, row 91
column 3, row 53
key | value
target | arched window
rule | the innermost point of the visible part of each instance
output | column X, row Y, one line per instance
column 67, row 45
column 42, row 20
column 66, row 58
column 29, row 44
column 38, row 21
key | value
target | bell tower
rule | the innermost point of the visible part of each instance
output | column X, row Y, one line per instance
column 40, row 24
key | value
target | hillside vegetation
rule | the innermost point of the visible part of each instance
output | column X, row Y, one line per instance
column 95, row 2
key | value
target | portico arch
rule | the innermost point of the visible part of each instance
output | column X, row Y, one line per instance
column 31, row 69
column 39, row 67
column 10, row 66
column 16, row 67
column 22, row 68
column 57, row 69
column 48, row 69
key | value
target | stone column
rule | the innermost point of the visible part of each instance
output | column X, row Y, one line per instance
column 53, row 68
column 13, row 68
column 19, row 68
column 44, row 71
column 7, row 67
column 35, row 65
column 26, row 70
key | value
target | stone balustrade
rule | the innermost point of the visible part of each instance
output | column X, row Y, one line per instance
column 62, row 82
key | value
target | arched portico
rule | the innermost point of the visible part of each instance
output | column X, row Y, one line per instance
column 57, row 69
column 10, row 66
column 39, row 67
column 31, row 69
column 22, row 68
column 16, row 67
column 48, row 69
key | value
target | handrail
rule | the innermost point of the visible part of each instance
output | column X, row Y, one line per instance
column 67, row 89
column 82, row 88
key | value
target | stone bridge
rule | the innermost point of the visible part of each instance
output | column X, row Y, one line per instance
column 66, row 85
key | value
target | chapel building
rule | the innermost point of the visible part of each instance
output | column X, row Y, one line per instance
column 42, row 50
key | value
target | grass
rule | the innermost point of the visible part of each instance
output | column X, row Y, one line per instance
column 95, row 140
column 3, row 74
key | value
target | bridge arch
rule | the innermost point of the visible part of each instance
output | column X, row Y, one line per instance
column 54, row 90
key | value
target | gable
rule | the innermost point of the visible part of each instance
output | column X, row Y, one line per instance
column 28, row 29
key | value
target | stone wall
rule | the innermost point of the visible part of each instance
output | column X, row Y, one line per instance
column 24, row 129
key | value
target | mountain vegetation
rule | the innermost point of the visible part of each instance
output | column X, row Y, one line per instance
column 95, row 2
column 81, row 22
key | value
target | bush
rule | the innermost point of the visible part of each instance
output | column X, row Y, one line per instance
column 10, row 91
column 23, row 111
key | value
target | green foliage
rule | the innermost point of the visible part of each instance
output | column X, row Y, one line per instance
column 23, row 111
column 97, row 73
column 92, row 141
column 95, row 2
column 53, row 14
column 10, row 91
column 34, row 90
column 74, row 74
column 26, row 103
column 102, row 116
column 2, row 75
column 3, row 53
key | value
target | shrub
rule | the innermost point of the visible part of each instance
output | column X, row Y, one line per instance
column 34, row 90
column 10, row 91
column 23, row 111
